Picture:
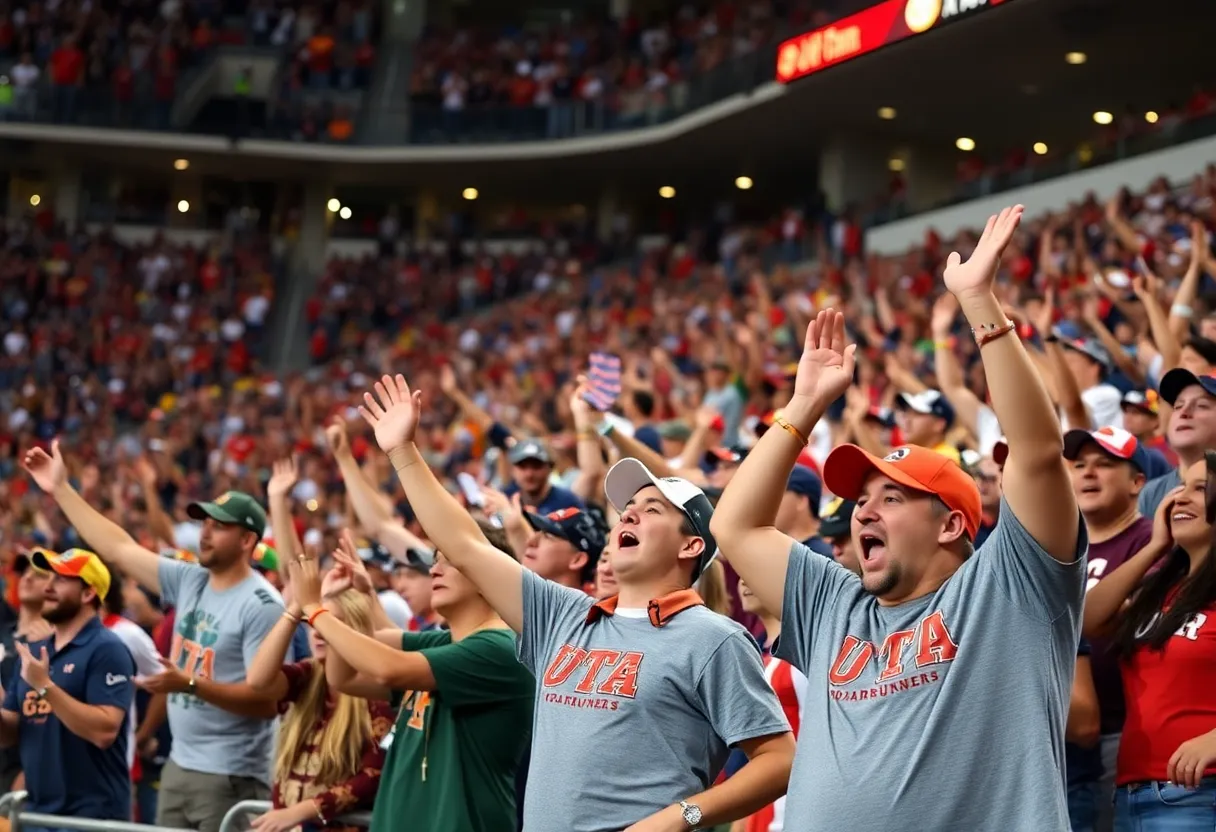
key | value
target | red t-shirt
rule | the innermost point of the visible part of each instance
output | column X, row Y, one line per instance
column 1169, row 699
column 66, row 65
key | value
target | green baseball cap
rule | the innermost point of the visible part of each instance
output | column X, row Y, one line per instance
column 266, row 558
column 235, row 508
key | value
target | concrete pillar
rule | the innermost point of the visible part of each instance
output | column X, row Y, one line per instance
column 65, row 185
column 618, row 9
column 315, row 222
column 853, row 170
column 403, row 19
column 607, row 209
column 930, row 175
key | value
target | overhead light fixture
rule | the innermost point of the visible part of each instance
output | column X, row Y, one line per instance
column 886, row 113
column 345, row 212
column 667, row 192
column 895, row 164
column 1040, row 148
column 183, row 206
column 469, row 193
column 744, row 183
column 35, row 200
column 1103, row 117
column 181, row 164
column 1151, row 117
column 965, row 144
column 333, row 205
column 1076, row 58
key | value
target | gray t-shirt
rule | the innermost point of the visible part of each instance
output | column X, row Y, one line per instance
column 946, row 713
column 630, row 717
column 215, row 636
column 1154, row 492
column 728, row 401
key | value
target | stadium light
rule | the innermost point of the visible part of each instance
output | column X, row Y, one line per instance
column 333, row 205
column 886, row 113
column 965, row 144
column 345, row 212
column 744, row 183
column 1103, row 117
column 1151, row 117
column 181, row 164
column 1076, row 58
column 1040, row 148
column 469, row 193
column 183, row 206
column 667, row 192
column 35, row 200
column 895, row 164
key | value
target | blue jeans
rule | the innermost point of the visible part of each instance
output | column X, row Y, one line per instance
column 1082, row 806
column 1159, row 806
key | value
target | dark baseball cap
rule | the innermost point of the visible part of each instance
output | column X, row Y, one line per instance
column 806, row 482
column 576, row 527
column 1178, row 379
column 1146, row 401
column 419, row 560
column 731, row 456
column 1114, row 442
column 374, row 554
column 1091, row 348
column 929, row 402
column 526, row 450
column 233, row 508
column 837, row 518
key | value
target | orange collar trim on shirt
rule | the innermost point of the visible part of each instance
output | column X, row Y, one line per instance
column 660, row 610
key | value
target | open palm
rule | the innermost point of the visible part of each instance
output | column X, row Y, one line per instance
column 392, row 412
column 283, row 479
column 48, row 470
column 978, row 273
column 825, row 370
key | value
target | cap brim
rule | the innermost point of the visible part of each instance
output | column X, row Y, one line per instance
column 629, row 476
column 1174, row 382
column 1078, row 438
column 847, row 467
column 834, row 528
column 39, row 560
column 201, row 511
column 541, row 523
column 419, row 560
column 902, row 402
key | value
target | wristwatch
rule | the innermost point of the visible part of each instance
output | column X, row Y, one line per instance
column 692, row 814
column 43, row 691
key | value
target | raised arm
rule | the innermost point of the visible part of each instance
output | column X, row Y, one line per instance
column 744, row 520
column 393, row 415
column 1036, row 484
column 108, row 540
column 282, row 480
column 1108, row 597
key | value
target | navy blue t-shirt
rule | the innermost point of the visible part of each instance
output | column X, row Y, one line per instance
column 817, row 544
column 66, row 774
column 1083, row 765
column 557, row 499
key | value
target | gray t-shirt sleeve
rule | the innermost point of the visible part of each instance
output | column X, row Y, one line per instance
column 813, row 585
column 548, row 608
column 1154, row 492
column 260, row 614
column 738, row 701
column 1033, row 580
column 172, row 574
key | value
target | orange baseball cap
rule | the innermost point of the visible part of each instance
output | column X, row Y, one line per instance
column 914, row 467
column 75, row 563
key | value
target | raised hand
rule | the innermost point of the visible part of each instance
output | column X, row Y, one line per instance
column 392, row 412
column 336, row 581
column 335, row 436
column 47, row 470
column 447, row 379
column 825, row 370
column 283, row 479
column 145, row 471
column 347, row 557
column 976, row 276
column 945, row 310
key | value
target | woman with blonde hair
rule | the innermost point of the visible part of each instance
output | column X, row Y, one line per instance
column 712, row 588
column 329, row 754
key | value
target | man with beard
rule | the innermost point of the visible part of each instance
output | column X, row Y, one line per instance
column 67, row 709
column 222, row 728
column 24, row 624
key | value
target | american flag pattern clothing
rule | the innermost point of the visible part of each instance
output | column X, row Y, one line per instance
column 790, row 687
column 604, row 380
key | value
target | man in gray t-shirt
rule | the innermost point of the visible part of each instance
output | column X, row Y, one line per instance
column 938, row 680
column 1191, row 430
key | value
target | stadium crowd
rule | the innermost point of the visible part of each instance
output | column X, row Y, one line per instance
column 222, row 584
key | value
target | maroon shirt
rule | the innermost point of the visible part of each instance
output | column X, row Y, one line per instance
column 1105, row 558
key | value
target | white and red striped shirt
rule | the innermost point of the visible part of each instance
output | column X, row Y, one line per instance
column 790, row 687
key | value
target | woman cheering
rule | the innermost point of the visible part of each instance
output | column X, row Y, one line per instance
column 329, row 757
column 1164, row 624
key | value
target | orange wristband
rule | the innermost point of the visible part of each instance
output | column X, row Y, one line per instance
column 312, row 618
column 989, row 335
column 780, row 422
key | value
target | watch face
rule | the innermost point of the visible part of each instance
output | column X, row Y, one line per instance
column 692, row 814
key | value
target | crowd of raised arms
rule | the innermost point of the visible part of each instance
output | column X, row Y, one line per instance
column 919, row 543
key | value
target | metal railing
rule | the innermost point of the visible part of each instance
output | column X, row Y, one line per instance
column 237, row 819
column 11, row 807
